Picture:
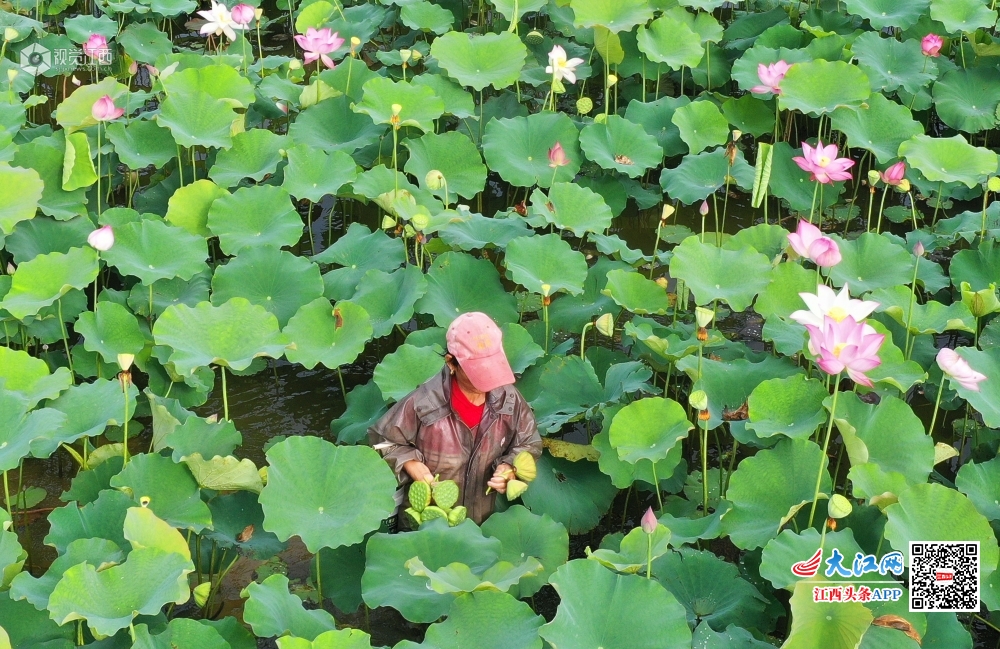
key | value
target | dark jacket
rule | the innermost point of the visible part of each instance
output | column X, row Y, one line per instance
column 423, row 426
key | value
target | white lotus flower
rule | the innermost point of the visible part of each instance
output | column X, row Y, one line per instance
column 559, row 67
column 219, row 21
column 825, row 302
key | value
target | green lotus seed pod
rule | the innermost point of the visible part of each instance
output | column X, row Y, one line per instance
column 446, row 494
column 838, row 507
column 993, row 184
column 534, row 37
column 201, row 593
column 524, row 465
column 456, row 516
column 413, row 517
column 420, row 222
column 698, row 400
column 515, row 488
column 420, row 495
column 432, row 512
column 584, row 105
column 434, row 180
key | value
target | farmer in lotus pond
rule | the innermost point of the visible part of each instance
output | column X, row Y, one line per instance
column 466, row 423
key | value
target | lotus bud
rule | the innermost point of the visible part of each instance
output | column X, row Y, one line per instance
column 612, row 80
column 698, row 400
column 45, row 347
column 420, row 221
column 295, row 64
column 584, row 105
column 873, row 177
column 133, row 68
column 649, row 522
column 282, row 106
column 981, row 303
column 993, row 184
column 904, row 185
column 144, row 501
column 10, row 268
column 388, row 222
column 918, row 249
column 545, row 289
column 534, row 37
column 605, row 325
column 666, row 213
column 662, row 282
column 416, row 55
column 703, row 316
column 102, row 238
column 434, row 180
column 125, row 361
column 703, row 210
column 737, row 134
column 9, row 34
column 838, row 507
column 405, row 55
column 212, row 418
column 11, row 75
column 201, row 593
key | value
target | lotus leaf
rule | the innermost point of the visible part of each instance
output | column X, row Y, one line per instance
column 20, row 201
column 648, row 429
column 714, row 273
column 870, row 262
column 879, row 126
column 575, row 494
column 153, row 250
column 517, row 148
column 232, row 515
column 313, row 173
column 30, row 377
column 271, row 611
column 599, row 608
column 572, row 207
column 892, row 64
column 733, row 637
column 566, row 388
column 358, row 251
column 671, row 41
column 623, row 474
column 966, row 100
column 331, row 125
column 75, row 111
column 701, row 125
column 546, row 260
column 458, row 283
column 949, row 159
column 685, row 530
column 275, row 279
column 791, row 406
column 172, row 491
column 985, row 400
column 197, row 435
column 615, row 16
column 44, row 234
column 389, row 298
column 189, row 205
column 979, row 267
column 888, row 13
column 224, row 473
column 480, row 232
column 317, row 328
column 87, row 485
column 96, row 552
column 196, row 118
column 455, row 156
column 491, row 59
column 963, row 15
column 818, row 87
column 231, row 335
column 110, row 329
column 790, row 547
column 456, row 578
column 699, row 176
column 43, row 280
column 21, row 428
column 656, row 118
column 523, row 534
column 621, row 145
column 635, row 293
column 427, row 16
column 45, row 157
column 420, row 106
column 981, row 483
column 837, row 625
column 402, row 371
column 469, row 619
column 337, row 639
column 254, row 216
column 102, row 519
column 457, row 101
column 309, row 492
column 365, row 406
column 774, row 484
column 930, row 317
column 88, row 409
column 181, row 632
column 254, row 154
column 635, row 550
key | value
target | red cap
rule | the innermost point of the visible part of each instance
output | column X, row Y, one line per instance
column 477, row 344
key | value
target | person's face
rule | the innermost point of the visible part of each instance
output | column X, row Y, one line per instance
column 461, row 376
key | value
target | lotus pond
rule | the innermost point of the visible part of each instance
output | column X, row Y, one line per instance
column 744, row 256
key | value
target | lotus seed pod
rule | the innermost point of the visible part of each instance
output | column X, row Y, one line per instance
column 413, row 517
column 515, row 489
column 612, row 80
column 388, row 222
column 420, row 495
column 416, row 55
column 873, row 177
column 144, row 501
column 11, row 75
column 9, row 34
column 125, row 361
column 662, row 282
column 982, row 302
column 420, row 221
column 524, row 465
column 737, row 134
column 534, row 37
column 838, row 507
column 904, row 185
column 397, row 109
column 446, row 494
column 258, row 13
column 600, row 118
column 605, row 325
column 584, row 105
column 545, row 289
column 355, row 41
column 993, row 184
column 703, row 315
column 698, row 400
column 434, row 180
column 405, row 55
column 431, row 513
column 201, row 593
column 666, row 213
column 295, row 64
column 457, row 515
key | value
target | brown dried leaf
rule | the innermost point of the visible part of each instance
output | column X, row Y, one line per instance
column 898, row 623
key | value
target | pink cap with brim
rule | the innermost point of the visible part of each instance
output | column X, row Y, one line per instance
column 477, row 344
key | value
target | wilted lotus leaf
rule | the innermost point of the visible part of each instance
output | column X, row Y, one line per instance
column 480, row 61
column 546, row 260
column 41, row 281
column 621, row 145
column 518, row 148
column 272, row 611
column 949, row 159
column 600, row 608
column 277, row 280
column 458, row 578
column 419, row 105
column 254, row 216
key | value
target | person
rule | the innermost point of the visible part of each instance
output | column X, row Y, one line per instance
column 466, row 423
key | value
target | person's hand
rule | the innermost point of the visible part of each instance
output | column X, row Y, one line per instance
column 500, row 477
column 418, row 471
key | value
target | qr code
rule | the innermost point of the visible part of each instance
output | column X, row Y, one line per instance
column 944, row 576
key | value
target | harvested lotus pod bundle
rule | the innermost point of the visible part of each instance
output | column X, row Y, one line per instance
column 457, row 515
column 445, row 494
column 413, row 517
column 420, row 496
column 432, row 512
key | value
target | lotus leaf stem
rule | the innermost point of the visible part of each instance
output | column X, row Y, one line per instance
column 65, row 337
column 881, row 207
column 812, row 209
column 225, row 394
column 319, row 580
column 309, row 227
column 343, row 390
column 649, row 555
column 937, row 404
column 180, row 167
column 125, row 425
column 909, row 310
column 98, row 170
column 937, row 204
column 6, row 494
column 583, row 338
column 656, row 487
column 545, row 316
column 826, row 445
column 704, row 467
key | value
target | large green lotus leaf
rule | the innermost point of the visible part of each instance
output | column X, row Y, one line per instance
column 231, row 514
column 89, row 408
column 949, row 159
column 231, row 335
column 987, row 399
column 944, row 630
column 615, row 16
column 427, row 16
column 389, row 298
column 104, row 519
column 96, row 552
column 791, row 406
column 21, row 427
column 316, row 329
column 892, row 64
column 141, row 143
column 870, row 262
column 575, row 494
column 197, row 119
column 152, row 250
column 455, row 156
column 963, row 16
column 572, row 207
column 145, row 42
column 930, row 317
column 656, row 117
column 365, row 406
column 517, row 148
column 78, row 166
column 635, row 293
column 749, row 114
column 110, row 329
column 40, row 282
column 387, row 582
column 701, row 125
column 825, row 625
column 781, row 297
column 331, row 125
column 524, row 534
column 621, row 145
column 967, row 99
column 312, row 492
column 699, row 176
column 486, row 620
column 197, row 435
column 188, row 206
column 765, row 238
column 480, row 61
column 457, row 100
column 879, row 126
column 623, row 474
column 895, row 371
column 338, row 639
column 520, row 348
column 457, row 578
column 458, row 283
column 25, row 626
column 254, row 216
column 217, row 80
column 768, row 489
column 790, row 547
column 44, row 234
column 254, row 154
column 88, row 485
column 12, row 557
column 271, row 611
column 313, row 173
column 402, row 371
column 599, row 608
column 20, row 372
column 734, row 276
column 181, row 632
column 869, row 481
column 358, row 251
column 420, row 106
column 546, row 260
column 481, row 232
column 75, row 112
column 980, row 481
column 889, row 13
column 817, row 87
column 648, row 429
column 275, row 279
column 172, row 491
column 170, row 291
column 45, row 156
column 224, row 473
column 671, row 41
column 569, row 313
column 23, row 190
column 508, row 8
column 934, row 512
column 733, row 637
column 979, row 267
column 712, row 590
column 380, row 180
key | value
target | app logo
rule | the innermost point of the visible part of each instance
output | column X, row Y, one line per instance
column 810, row 566
column 35, row 59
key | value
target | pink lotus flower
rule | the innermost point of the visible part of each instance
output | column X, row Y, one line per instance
column 318, row 43
column 770, row 77
column 649, row 521
column 96, row 47
column 958, row 369
column 931, row 45
column 845, row 346
column 242, row 14
column 828, row 304
column 102, row 238
column 104, row 109
column 703, row 208
column 219, row 20
column 557, row 156
column 823, row 164
column 919, row 250
column 894, row 174
column 808, row 242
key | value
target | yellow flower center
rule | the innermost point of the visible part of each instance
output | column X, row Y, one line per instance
column 838, row 313
column 824, row 161
column 839, row 347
